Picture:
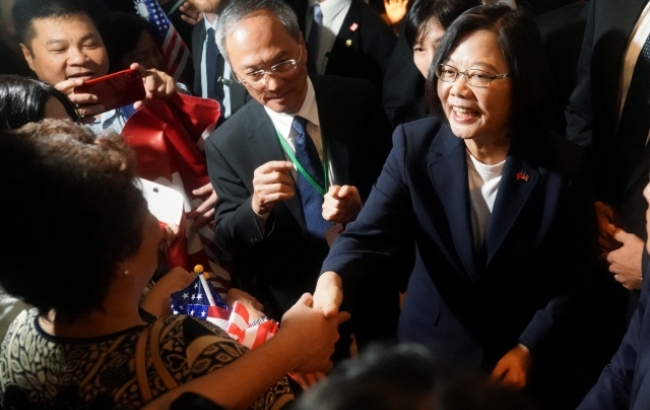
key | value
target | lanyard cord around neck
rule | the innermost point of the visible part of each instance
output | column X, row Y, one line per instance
column 292, row 156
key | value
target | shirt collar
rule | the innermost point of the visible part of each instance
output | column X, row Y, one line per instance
column 309, row 110
column 330, row 8
column 209, row 25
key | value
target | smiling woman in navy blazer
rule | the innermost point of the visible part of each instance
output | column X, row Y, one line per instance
column 493, row 205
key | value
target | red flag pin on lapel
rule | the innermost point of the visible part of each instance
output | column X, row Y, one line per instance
column 523, row 176
column 354, row 27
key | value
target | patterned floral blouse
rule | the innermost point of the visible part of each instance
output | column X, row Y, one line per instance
column 124, row 370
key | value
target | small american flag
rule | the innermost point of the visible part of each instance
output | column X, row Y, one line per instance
column 173, row 48
column 202, row 301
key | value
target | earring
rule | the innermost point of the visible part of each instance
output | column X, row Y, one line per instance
column 126, row 272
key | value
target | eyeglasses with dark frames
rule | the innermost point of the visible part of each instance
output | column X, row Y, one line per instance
column 474, row 76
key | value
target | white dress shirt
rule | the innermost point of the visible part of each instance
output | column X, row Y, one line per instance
column 309, row 110
column 227, row 72
column 334, row 12
column 638, row 36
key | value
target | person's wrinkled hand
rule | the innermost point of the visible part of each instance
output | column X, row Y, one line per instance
column 156, row 84
column 170, row 233
column 512, row 369
column 189, row 13
column 341, row 204
column 271, row 183
column 204, row 213
column 87, row 105
column 253, row 306
column 606, row 216
column 625, row 262
column 312, row 335
column 328, row 295
column 395, row 10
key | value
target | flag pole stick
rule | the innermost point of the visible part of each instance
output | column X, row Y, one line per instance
column 175, row 7
column 198, row 269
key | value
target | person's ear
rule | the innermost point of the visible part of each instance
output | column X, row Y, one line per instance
column 301, row 41
column 28, row 56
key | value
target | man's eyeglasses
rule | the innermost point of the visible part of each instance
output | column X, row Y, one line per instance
column 475, row 77
column 256, row 79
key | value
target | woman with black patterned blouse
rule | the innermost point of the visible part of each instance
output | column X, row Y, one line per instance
column 82, row 247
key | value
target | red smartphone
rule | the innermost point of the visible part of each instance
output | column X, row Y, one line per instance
column 115, row 90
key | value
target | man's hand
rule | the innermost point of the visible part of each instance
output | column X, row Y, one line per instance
column 87, row 105
column 606, row 216
column 512, row 369
column 156, row 84
column 395, row 10
column 341, row 204
column 625, row 262
column 190, row 14
column 271, row 183
column 311, row 334
column 169, row 234
column 253, row 306
column 204, row 213
column 328, row 295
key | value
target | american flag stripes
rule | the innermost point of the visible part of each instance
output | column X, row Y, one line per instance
column 202, row 301
column 172, row 46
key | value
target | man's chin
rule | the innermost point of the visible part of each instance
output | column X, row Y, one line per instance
column 281, row 106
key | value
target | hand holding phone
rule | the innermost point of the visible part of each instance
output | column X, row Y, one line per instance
column 115, row 90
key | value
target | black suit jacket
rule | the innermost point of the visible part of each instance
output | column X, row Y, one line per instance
column 281, row 265
column 238, row 94
column 593, row 111
column 562, row 32
column 592, row 121
column 363, row 45
column 403, row 83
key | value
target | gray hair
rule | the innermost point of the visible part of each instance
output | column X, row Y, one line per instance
column 238, row 10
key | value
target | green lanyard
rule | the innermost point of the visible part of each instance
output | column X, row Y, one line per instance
column 292, row 156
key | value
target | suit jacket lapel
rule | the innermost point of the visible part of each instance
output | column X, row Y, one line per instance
column 348, row 35
column 198, row 37
column 518, row 181
column 448, row 171
column 263, row 142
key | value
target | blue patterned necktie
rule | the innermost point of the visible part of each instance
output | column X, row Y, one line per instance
column 313, row 41
column 312, row 200
column 214, row 67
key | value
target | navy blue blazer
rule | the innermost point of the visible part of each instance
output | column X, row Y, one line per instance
column 625, row 381
column 466, row 303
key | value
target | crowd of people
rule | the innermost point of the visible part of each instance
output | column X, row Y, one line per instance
column 491, row 254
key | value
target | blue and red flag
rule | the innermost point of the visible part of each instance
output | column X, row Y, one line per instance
column 172, row 46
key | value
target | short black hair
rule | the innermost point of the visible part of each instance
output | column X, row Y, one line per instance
column 522, row 49
column 421, row 11
column 120, row 33
column 23, row 100
column 24, row 12
column 407, row 376
column 74, row 215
